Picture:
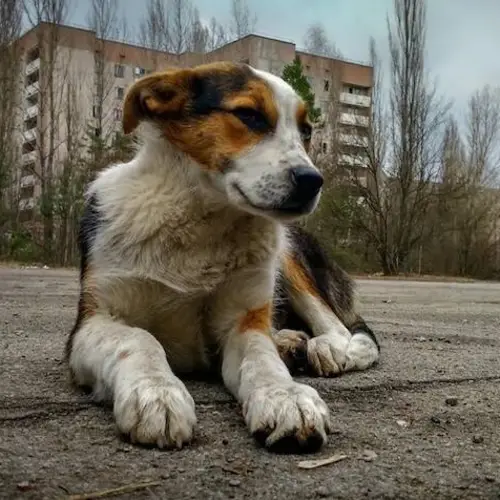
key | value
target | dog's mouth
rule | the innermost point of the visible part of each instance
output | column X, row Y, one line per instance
column 288, row 208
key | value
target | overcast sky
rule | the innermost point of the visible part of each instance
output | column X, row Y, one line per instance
column 463, row 43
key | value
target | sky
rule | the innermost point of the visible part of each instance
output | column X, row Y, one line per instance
column 463, row 36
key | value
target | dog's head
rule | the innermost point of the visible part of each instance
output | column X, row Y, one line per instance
column 246, row 128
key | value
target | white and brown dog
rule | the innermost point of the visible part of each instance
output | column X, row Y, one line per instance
column 190, row 263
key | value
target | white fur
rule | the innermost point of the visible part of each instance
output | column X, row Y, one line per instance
column 263, row 172
column 173, row 268
column 333, row 349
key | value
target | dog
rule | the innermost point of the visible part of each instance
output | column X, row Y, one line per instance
column 191, row 263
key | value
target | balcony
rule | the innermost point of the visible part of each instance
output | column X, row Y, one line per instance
column 27, row 204
column 354, row 120
column 33, row 66
column 32, row 89
column 29, row 157
column 353, row 140
column 27, row 180
column 353, row 160
column 31, row 112
column 355, row 99
column 30, row 135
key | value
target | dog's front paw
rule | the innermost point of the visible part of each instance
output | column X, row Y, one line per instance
column 326, row 354
column 156, row 412
column 287, row 418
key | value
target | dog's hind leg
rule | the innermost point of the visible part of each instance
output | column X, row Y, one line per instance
column 320, row 301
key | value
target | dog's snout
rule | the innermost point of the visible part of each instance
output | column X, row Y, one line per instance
column 307, row 182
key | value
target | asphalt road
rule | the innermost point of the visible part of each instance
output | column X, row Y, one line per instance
column 424, row 424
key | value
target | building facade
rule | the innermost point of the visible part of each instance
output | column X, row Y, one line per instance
column 90, row 75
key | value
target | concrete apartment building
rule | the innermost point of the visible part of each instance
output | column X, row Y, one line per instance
column 75, row 69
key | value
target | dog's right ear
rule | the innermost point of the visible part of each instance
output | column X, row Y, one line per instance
column 157, row 96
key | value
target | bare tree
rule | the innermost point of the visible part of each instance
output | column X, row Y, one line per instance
column 154, row 29
column 48, row 16
column 483, row 135
column 10, row 28
column 395, row 198
column 477, row 213
column 181, row 13
column 103, row 19
column 317, row 41
column 200, row 34
column 243, row 21
column 217, row 35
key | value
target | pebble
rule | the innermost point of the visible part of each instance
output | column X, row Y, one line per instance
column 451, row 401
column 24, row 486
column 234, row 482
column 322, row 491
column 477, row 439
column 435, row 420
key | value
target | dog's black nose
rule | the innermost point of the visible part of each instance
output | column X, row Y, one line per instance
column 307, row 182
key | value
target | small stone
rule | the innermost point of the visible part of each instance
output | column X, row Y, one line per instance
column 24, row 486
column 477, row 439
column 368, row 456
column 490, row 479
column 435, row 420
column 165, row 475
column 451, row 401
column 322, row 492
column 225, row 441
column 234, row 482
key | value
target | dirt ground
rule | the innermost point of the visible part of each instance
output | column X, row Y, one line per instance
column 424, row 424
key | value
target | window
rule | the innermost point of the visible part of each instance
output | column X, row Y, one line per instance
column 326, row 85
column 120, row 92
column 31, row 123
column 96, row 111
column 27, row 192
column 117, row 114
column 139, row 71
column 28, row 169
column 119, row 70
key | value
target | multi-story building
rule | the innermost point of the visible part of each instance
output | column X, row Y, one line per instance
column 72, row 75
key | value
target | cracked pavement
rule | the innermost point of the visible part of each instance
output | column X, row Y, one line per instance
column 429, row 414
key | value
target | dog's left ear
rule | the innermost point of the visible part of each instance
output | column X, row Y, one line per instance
column 162, row 95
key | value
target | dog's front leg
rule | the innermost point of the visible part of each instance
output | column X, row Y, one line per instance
column 128, row 367
column 284, row 415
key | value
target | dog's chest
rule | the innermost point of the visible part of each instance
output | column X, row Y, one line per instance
column 201, row 252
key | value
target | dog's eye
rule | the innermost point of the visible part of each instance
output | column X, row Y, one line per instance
column 252, row 118
column 306, row 132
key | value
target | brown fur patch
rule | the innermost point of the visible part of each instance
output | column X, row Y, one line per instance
column 204, row 128
column 257, row 319
column 297, row 276
column 88, row 303
column 302, row 118
column 123, row 355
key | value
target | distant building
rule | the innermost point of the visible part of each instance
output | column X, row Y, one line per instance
column 76, row 57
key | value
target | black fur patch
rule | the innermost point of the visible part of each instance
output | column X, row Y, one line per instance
column 89, row 224
column 208, row 91
column 332, row 283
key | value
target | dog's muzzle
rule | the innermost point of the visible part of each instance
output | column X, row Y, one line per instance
column 307, row 183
